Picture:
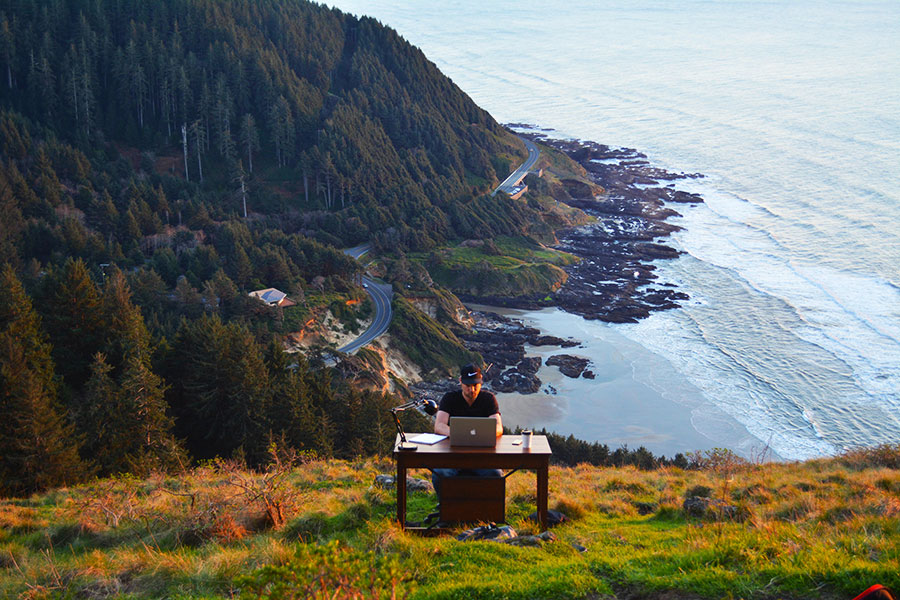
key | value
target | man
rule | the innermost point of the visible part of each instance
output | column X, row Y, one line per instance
column 469, row 401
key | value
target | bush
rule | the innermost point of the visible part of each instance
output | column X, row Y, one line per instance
column 721, row 460
column 885, row 456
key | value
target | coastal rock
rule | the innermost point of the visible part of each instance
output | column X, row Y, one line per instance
column 501, row 343
column 577, row 189
column 611, row 282
column 550, row 340
column 570, row 366
column 529, row 365
column 512, row 380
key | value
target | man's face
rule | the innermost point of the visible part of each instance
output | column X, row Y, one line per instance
column 470, row 392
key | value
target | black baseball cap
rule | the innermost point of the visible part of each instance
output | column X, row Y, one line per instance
column 470, row 375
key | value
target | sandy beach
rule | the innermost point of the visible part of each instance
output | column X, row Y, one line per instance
column 636, row 398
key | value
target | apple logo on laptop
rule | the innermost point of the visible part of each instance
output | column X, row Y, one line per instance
column 472, row 432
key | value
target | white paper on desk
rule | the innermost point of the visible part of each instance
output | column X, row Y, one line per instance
column 427, row 438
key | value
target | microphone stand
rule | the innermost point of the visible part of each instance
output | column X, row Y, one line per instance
column 427, row 405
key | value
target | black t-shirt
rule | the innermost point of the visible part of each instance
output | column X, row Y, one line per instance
column 455, row 405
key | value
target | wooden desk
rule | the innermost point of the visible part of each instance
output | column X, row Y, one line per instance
column 504, row 456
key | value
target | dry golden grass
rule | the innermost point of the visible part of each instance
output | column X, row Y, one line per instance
column 194, row 534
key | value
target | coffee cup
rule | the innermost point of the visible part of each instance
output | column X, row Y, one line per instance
column 526, row 438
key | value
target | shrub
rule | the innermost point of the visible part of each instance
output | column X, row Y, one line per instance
column 721, row 460
column 309, row 527
column 885, row 456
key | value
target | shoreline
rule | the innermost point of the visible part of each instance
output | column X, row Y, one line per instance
column 594, row 389
column 615, row 280
column 633, row 397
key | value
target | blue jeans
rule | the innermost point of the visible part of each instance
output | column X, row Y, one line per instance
column 437, row 474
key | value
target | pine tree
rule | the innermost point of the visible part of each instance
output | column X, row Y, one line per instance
column 123, row 325
column 220, row 388
column 249, row 137
column 142, row 394
column 38, row 448
column 126, row 424
column 74, row 321
column 281, row 122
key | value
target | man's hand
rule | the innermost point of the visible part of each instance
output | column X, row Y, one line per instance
column 442, row 423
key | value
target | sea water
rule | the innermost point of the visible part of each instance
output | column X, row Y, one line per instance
column 791, row 109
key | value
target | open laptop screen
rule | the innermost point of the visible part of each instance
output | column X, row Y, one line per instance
column 473, row 431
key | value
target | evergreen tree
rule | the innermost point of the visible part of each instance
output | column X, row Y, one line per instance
column 125, row 421
column 281, row 122
column 7, row 49
column 220, row 389
column 74, row 320
column 249, row 137
column 123, row 325
column 38, row 448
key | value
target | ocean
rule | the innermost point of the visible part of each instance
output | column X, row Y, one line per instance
column 791, row 110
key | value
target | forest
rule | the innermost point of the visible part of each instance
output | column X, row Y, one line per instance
column 162, row 159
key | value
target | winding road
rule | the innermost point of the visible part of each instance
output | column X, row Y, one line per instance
column 381, row 294
column 516, row 176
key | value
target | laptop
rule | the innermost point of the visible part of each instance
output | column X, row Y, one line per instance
column 473, row 431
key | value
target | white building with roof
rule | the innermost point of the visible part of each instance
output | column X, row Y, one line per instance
column 272, row 297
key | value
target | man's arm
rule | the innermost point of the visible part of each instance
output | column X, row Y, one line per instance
column 499, row 424
column 442, row 423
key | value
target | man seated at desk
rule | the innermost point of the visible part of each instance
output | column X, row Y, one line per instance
column 469, row 401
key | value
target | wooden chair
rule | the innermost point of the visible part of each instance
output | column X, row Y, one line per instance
column 473, row 499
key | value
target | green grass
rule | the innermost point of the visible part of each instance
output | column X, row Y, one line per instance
column 822, row 529
column 504, row 266
column 427, row 343
column 514, row 252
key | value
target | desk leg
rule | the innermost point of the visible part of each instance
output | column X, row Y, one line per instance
column 401, row 493
column 543, row 477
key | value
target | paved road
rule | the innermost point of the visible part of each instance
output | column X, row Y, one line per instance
column 518, row 174
column 381, row 294
column 358, row 250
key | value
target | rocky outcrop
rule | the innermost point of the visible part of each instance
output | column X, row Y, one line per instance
column 550, row 340
column 522, row 378
column 501, row 342
column 444, row 307
column 615, row 281
column 577, row 189
column 570, row 366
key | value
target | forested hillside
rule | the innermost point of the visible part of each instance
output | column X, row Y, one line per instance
column 162, row 159
column 316, row 112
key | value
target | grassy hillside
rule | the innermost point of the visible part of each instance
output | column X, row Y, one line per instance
column 821, row 529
